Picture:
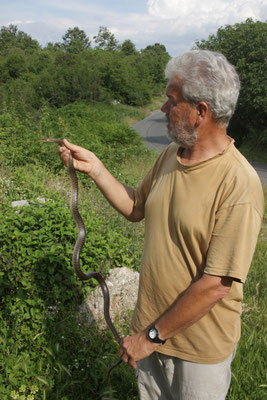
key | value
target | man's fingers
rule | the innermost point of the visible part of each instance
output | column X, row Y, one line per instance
column 128, row 361
column 125, row 358
column 63, row 149
column 132, row 363
column 71, row 146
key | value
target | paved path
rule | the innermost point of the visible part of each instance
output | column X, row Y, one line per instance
column 154, row 132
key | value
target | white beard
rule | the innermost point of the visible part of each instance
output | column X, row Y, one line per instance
column 182, row 133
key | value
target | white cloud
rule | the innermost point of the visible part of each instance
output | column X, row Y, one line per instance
column 182, row 22
column 206, row 10
column 16, row 22
column 169, row 9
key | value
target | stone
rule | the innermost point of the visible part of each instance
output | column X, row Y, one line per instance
column 123, row 289
column 21, row 203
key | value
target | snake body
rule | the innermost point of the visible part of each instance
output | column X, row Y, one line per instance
column 79, row 245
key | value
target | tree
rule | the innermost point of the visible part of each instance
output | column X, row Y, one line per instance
column 155, row 58
column 75, row 40
column 11, row 37
column 244, row 45
column 16, row 64
column 128, row 48
column 70, row 71
column 16, row 50
column 106, row 40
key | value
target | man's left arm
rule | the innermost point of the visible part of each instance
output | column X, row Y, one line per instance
column 196, row 302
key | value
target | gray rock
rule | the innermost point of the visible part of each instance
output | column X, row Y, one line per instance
column 123, row 288
column 21, row 203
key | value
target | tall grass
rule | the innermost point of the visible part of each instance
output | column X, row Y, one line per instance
column 249, row 365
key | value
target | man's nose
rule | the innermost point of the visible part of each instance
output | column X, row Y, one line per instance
column 164, row 107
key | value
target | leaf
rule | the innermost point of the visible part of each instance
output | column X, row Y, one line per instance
column 43, row 380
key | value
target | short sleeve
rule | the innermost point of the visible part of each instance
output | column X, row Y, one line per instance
column 233, row 241
column 142, row 192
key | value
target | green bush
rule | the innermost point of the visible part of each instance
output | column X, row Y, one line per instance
column 40, row 295
column 97, row 128
column 46, row 353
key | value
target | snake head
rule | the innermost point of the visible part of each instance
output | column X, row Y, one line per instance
column 53, row 140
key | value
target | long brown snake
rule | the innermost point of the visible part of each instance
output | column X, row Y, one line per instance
column 79, row 245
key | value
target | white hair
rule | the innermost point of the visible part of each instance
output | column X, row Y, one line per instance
column 207, row 76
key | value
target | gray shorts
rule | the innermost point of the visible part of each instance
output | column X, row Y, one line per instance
column 169, row 378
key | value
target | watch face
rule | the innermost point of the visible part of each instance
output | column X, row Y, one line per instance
column 152, row 333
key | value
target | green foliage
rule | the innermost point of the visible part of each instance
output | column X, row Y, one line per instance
column 15, row 64
column 128, row 48
column 75, row 40
column 32, row 77
column 156, row 58
column 46, row 353
column 93, row 126
column 249, row 365
column 243, row 44
column 11, row 37
column 106, row 40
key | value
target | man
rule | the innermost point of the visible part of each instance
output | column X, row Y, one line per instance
column 203, row 205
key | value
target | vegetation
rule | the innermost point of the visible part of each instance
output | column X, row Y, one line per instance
column 249, row 365
column 46, row 353
column 62, row 73
column 68, row 90
column 242, row 44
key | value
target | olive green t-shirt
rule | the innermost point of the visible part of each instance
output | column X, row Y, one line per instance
column 203, row 217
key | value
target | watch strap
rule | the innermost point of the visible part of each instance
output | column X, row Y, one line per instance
column 156, row 338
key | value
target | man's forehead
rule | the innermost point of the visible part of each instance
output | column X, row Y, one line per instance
column 174, row 85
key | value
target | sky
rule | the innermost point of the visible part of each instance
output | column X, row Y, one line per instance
column 177, row 24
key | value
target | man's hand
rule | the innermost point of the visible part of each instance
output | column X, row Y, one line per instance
column 197, row 300
column 83, row 160
column 136, row 347
column 121, row 197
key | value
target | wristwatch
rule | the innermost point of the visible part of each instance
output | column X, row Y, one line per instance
column 153, row 335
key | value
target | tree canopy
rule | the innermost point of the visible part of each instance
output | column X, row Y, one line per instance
column 106, row 40
column 73, row 70
column 128, row 47
column 75, row 40
column 11, row 37
column 244, row 45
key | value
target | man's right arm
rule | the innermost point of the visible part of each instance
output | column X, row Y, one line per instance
column 121, row 197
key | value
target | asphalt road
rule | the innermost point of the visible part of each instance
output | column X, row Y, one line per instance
column 154, row 132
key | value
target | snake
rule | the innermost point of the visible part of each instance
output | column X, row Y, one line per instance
column 78, row 248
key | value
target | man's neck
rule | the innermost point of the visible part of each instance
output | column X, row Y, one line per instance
column 208, row 145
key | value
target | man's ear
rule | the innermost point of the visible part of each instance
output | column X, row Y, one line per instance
column 202, row 111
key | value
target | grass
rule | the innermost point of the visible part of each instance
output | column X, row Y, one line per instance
column 249, row 365
column 145, row 111
column 253, row 154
